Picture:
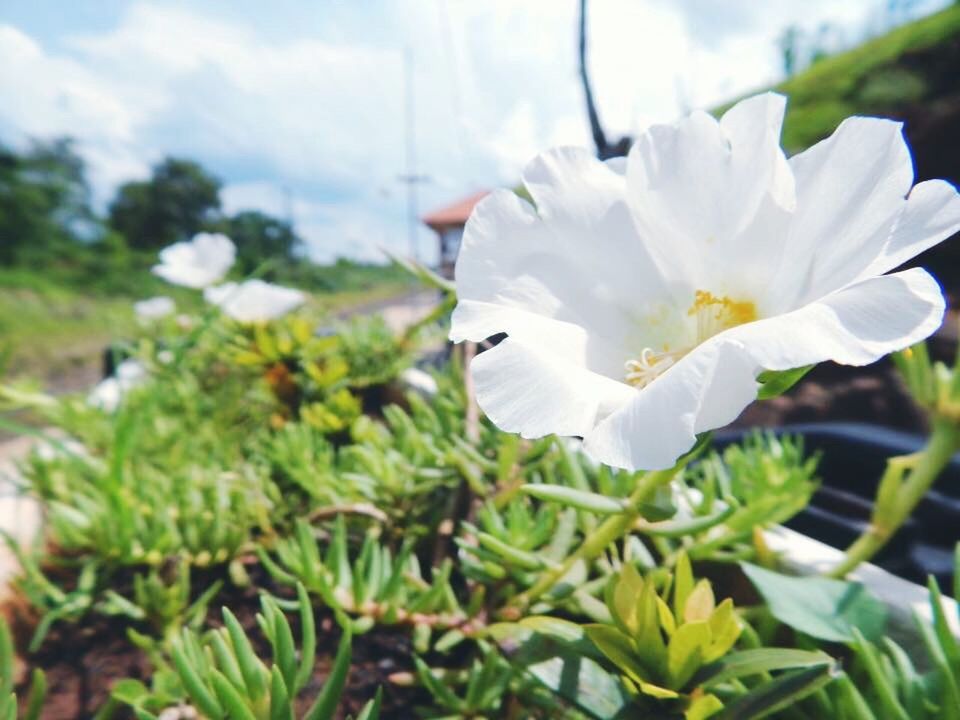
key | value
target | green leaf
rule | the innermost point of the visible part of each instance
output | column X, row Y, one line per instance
column 703, row 707
column 38, row 693
column 129, row 691
column 774, row 383
column 232, row 701
column 436, row 687
column 559, row 656
column 761, row 660
column 326, row 704
column 885, row 691
column 591, row 502
column 251, row 668
column 776, row 695
column 199, row 694
column 371, row 711
column 626, row 593
column 685, row 652
column 308, row 640
column 6, row 660
column 682, row 584
column 619, row 649
column 820, row 607
column 280, row 707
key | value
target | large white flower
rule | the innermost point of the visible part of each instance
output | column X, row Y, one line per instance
column 254, row 300
column 197, row 263
column 642, row 298
column 154, row 308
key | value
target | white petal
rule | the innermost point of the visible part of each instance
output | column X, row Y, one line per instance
column 712, row 199
column 254, row 300
column 853, row 326
column 931, row 214
column 475, row 320
column 154, row 308
column 581, row 274
column 850, row 191
column 198, row 263
column 708, row 388
column 526, row 390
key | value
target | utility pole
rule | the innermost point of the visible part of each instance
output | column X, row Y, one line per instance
column 411, row 178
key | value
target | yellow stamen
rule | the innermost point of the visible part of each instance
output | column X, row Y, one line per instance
column 713, row 315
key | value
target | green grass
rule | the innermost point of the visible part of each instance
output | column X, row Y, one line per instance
column 57, row 334
column 884, row 76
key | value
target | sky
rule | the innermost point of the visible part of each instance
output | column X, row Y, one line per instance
column 301, row 106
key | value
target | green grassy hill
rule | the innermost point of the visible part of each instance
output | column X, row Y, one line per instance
column 911, row 74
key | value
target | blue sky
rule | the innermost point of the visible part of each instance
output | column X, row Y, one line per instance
column 307, row 96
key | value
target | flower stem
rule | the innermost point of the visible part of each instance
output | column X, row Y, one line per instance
column 898, row 496
column 609, row 531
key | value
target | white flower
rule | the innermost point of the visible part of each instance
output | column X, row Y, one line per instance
column 254, row 300
column 67, row 447
column 108, row 393
column 199, row 263
column 154, row 308
column 641, row 298
column 419, row 381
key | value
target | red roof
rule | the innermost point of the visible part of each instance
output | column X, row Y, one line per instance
column 453, row 215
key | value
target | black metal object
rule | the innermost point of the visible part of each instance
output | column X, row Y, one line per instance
column 853, row 458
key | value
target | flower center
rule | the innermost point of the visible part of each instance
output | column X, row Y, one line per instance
column 712, row 316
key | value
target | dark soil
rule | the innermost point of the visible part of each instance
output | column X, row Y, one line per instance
column 83, row 660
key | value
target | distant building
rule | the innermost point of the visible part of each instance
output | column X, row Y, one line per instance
column 448, row 222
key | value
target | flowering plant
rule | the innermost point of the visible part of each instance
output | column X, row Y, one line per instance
column 643, row 298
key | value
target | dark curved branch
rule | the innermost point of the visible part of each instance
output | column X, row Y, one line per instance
column 596, row 129
column 605, row 149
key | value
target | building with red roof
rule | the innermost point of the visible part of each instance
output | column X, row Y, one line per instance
column 448, row 223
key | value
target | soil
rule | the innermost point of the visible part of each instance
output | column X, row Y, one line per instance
column 83, row 660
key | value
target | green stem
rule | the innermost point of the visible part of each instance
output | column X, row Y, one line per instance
column 611, row 530
column 889, row 515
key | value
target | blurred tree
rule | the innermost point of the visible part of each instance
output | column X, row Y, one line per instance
column 789, row 42
column 179, row 200
column 44, row 202
column 260, row 237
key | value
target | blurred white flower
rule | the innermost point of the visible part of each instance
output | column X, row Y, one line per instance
column 254, row 300
column 108, row 393
column 66, row 447
column 198, row 263
column 154, row 308
column 419, row 380
column 642, row 297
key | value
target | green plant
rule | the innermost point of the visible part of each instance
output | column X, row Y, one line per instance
column 222, row 677
column 8, row 699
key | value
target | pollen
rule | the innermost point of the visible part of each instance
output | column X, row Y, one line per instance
column 715, row 314
column 712, row 315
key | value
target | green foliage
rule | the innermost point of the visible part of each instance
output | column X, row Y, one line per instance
column 179, row 200
column 659, row 647
column 375, row 585
column 884, row 680
column 880, row 77
column 8, row 699
column 760, row 482
column 274, row 460
column 832, row 610
column 220, row 674
column 44, row 202
column 259, row 236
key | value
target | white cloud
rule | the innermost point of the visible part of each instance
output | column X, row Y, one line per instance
column 319, row 106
